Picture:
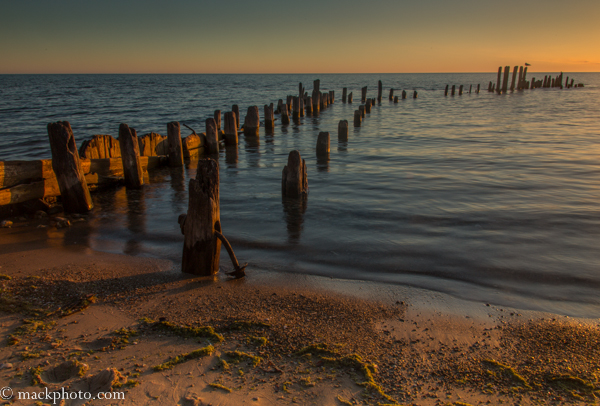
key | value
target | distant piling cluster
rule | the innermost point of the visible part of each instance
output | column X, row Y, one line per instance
column 519, row 81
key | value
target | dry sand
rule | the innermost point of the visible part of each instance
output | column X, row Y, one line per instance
column 72, row 318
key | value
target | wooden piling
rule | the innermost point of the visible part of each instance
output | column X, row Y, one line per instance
column 331, row 99
column 279, row 104
column 514, row 78
column 344, row 94
column 285, row 118
column 499, row 78
column 174, row 142
column 212, row 137
column 460, row 90
column 404, row 94
column 316, row 96
column 231, row 134
column 294, row 180
column 363, row 97
column 470, row 88
column 269, row 117
column 218, row 119
column 520, row 83
column 392, row 93
column 323, row 145
column 368, row 106
column 130, row 155
column 201, row 247
column 296, row 108
column 453, row 90
column 395, row 99
column 236, row 110
column 343, row 131
column 357, row 118
column 478, row 86
column 67, row 167
column 252, row 122
column 505, row 81
column 379, row 91
column 309, row 106
column 350, row 97
column 361, row 108
column 446, row 91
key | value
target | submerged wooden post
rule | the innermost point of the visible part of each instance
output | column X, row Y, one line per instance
column 520, row 84
column 323, row 145
column 218, row 119
column 350, row 97
column 130, row 155
column 269, row 118
column 231, row 134
column 379, row 91
column 344, row 94
column 309, row 106
column 236, row 110
column 343, row 130
column 316, row 95
column 73, row 187
column 470, row 88
column 505, row 81
column 404, row 94
column 331, row 99
column 514, row 78
column 294, row 181
column 446, row 91
column 478, row 86
column 252, row 122
column 201, row 247
column 285, row 117
column 357, row 118
column 363, row 97
column 415, row 94
column 174, row 142
column 279, row 104
column 368, row 106
column 395, row 99
column 361, row 108
column 499, row 78
column 392, row 93
column 453, row 90
column 460, row 90
column 296, row 108
column 212, row 137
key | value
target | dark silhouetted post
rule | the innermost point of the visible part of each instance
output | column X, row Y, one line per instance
column 174, row 142
column 343, row 130
column 379, row 91
column 252, row 122
column 344, row 94
column 323, row 145
column 212, row 137
column 218, row 119
column 236, row 110
column 357, row 118
column 294, row 181
column 130, row 156
column 231, row 134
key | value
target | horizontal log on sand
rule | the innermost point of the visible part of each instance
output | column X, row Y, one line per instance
column 21, row 181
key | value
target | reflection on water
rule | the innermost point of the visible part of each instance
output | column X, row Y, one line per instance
column 294, row 209
column 231, row 155
column 136, row 219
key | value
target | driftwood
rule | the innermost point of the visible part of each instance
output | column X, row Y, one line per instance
column 239, row 271
column 175, row 146
column 294, row 181
column 65, row 163
column 201, row 247
column 130, row 155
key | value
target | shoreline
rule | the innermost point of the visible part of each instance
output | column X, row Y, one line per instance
column 429, row 348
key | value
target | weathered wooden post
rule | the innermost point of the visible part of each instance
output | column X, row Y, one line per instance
column 499, row 78
column 572, row 83
column 331, row 99
column 519, row 85
column 174, row 142
column 218, row 119
column 323, row 145
column 289, row 102
column 525, row 76
column 269, row 118
column 460, row 90
column 357, row 118
column 470, row 88
column 350, row 97
column 73, row 187
column 231, row 134
column 392, row 93
column 201, row 247
column 514, row 78
column 285, row 117
column 395, row 99
column 316, row 96
column 379, row 91
column 490, row 86
column 453, row 90
column 344, row 94
column 363, row 97
column 415, row 94
column 404, row 94
column 343, row 131
column 296, row 108
column 368, row 106
column 478, row 87
column 252, row 122
column 279, row 104
column 130, row 156
column 236, row 111
column 361, row 108
column 446, row 91
column 294, row 181
column 212, row 137
column 505, row 80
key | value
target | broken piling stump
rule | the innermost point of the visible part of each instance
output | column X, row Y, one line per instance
column 323, row 145
column 201, row 246
column 392, row 93
column 236, row 110
column 174, row 142
column 269, row 117
column 343, row 131
column 217, row 117
column 285, row 117
column 67, row 167
column 212, row 137
column 130, row 155
column 379, row 91
column 294, row 181
column 231, row 134
column 350, row 97
column 344, row 94
column 357, row 118
column 363, row 94
column 404, row 94
column 252, row 122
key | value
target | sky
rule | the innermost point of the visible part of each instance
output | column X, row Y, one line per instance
column 309, row 36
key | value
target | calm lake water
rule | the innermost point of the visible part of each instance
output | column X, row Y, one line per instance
column 488, row 197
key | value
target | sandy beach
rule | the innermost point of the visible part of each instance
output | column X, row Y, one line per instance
column 78, row 319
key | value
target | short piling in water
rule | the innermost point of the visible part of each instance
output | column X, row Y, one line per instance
column 130, row 155
column 392, row 93
column 505, row 80
column 361, row 108
column 316, row 96
column 231, row 134
column 499, row 79
column 331, row 99
column 404, row 94
column 73, row 187
column 217, row 117
column 460, row 90
column 236, row 110
column 470, row 88
column 379, row 91
column 350, row 97
column 453, row 90
column 357, row 118
column 252, row 122
column 285, row 117
column 395, row 99
column 446, row 91
column 294, row 180
column 201, row 246
column 478, row 87
column 415, row 94
column 363, row 94
column 368, row 105
column 344, row 94
column 212, row 136
column 323, row 145
column 296, row 108
column 269, row 117
column 343, row 131
column 309, row 106
column 175, row 146
column 514, row 78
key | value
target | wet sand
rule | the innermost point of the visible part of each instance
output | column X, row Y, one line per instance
column 299, row 339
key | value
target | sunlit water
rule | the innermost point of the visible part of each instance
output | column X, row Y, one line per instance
column 485, row 197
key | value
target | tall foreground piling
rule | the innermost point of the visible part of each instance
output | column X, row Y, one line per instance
column 130, row 156
column 201, row 247
column 67, row 167
column 294, row 181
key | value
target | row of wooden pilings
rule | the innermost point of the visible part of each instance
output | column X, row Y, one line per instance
column 460, row 90
column 519, row 81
